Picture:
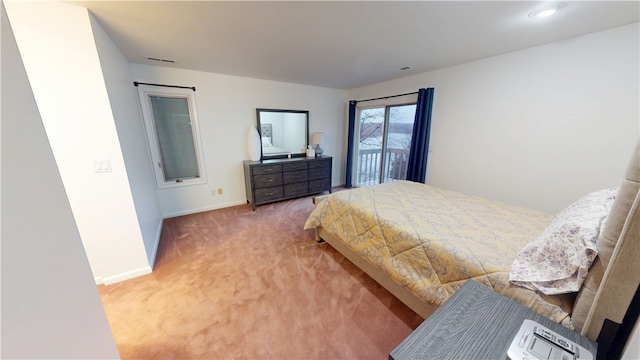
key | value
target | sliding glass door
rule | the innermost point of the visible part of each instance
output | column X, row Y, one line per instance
column 383, row 143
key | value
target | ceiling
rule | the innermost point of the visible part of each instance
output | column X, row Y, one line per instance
column 340, row 44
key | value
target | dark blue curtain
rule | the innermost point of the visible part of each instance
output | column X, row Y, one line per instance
column 352, row 129
column 417, row 162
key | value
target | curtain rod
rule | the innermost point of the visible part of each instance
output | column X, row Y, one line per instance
column 386, row 97
column 171, row 86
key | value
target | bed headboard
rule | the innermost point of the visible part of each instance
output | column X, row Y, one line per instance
column 615, row 275
column 265, row 130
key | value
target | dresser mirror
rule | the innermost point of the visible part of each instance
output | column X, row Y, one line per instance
column 283, row 133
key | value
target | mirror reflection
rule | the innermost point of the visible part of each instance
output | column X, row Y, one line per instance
column 283, row 133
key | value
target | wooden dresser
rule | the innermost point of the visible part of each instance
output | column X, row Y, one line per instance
column 274, row 180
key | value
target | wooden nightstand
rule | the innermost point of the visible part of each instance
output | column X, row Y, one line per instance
column 475, row 323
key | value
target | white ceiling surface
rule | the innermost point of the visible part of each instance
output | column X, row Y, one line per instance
column 340, row 44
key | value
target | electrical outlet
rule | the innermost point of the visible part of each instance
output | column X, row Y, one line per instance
column 220, row 191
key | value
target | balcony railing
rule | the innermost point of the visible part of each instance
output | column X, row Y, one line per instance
column 394, row 167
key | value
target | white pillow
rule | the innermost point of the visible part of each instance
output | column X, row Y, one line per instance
column 266, row 141
column 557, row 260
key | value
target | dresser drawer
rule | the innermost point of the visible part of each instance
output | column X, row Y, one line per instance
column 268, row 194
column 298, row 165
column 295, row 176
column 296, row 189
column 316, row 186
column 262, row 181
column 320, row 163
column 267, row 169
column 319, row 173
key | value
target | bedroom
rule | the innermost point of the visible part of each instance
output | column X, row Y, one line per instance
column 480, row 85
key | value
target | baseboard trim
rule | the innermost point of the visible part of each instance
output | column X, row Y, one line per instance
column 208, row 208
column 108, row 280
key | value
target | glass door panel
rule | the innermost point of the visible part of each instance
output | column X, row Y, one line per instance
column 398, row 141
column 383, row 143
column 371, row 129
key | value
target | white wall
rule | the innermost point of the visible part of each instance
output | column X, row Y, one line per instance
column 59, row 52
column 50, row 305
column 538, row 127
column 123, row 99
column 226, row 107
column 632, row 349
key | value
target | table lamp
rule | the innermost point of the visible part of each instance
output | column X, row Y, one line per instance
column 316, row 139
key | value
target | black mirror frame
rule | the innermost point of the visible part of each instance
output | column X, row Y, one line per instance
column 306, row 139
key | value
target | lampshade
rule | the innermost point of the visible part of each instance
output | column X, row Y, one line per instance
column 316, row 138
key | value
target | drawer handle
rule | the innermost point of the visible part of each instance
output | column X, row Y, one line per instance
column 269, row 194
column 269, row 180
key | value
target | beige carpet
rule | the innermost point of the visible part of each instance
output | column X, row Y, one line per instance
column 239, row 284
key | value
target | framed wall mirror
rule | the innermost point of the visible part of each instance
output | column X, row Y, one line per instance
column 284, row 133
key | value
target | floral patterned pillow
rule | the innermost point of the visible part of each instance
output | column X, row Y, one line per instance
column 558, row 259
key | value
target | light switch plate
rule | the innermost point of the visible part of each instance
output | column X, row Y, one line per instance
column 101, row 166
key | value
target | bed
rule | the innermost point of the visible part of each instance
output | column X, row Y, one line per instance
column 266, row 133
column 423, row 243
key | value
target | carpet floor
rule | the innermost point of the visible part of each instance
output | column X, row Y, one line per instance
column 241, row 284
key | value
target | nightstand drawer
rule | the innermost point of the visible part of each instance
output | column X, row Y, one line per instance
column 267, row 169
column 295, row 176
column 319, row 173
column 262, row 181
column 267, row 194
column 321, row 185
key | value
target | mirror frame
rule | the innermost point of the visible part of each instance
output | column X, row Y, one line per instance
column 306, row 129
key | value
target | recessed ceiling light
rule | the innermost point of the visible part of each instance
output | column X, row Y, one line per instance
column 547, row 11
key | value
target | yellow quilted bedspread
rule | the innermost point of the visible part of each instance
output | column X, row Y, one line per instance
column 432, row 240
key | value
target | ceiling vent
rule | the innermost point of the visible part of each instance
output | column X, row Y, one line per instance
column 161, row 60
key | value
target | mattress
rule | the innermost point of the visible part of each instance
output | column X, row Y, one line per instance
column 432, row 240
column 274, row 150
